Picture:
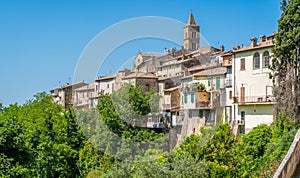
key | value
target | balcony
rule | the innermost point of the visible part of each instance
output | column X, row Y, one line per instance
column 254, row 99
column 203, row 100
column 203, row 104
column 228, row 83
column 155, row 124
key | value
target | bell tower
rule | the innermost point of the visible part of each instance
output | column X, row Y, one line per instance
column 191, row 35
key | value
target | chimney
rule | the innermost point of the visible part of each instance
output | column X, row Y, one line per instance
column 222, row 48
column 253, row 42
column 236, row 47
column 262, row 38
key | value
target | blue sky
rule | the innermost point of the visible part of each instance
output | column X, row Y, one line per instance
column 41, row 41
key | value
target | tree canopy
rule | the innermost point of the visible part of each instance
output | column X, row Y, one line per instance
column 286, row 60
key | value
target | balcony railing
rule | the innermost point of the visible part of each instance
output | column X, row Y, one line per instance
column 203, row 104
column 228, row 83
column 155, row 124
column 254, row 99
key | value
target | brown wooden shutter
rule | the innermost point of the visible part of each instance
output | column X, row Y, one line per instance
column 243, row 64
column 242, row 94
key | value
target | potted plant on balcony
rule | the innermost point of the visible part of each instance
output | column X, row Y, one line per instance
column 200, row 86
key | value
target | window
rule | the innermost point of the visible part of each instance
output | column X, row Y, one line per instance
column 108, row 85
column 256, row 61
column 229, row 70
column 147, row 88
column 209, row 81
column 193, row 34
column 185, row 98
column 194, row 46
column 242, row 94
column 201, row 113
column 192, row 98
column 230, row 94
column 243, row 115
column 218, row 83
column 266, row 59
column 243, row 64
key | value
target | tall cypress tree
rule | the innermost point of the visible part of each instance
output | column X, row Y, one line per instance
column 286, row 61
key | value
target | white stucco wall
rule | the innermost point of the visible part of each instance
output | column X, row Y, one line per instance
column 256, row 115
column 107, row 86
column 188, row 104
column 254, row 81
column 171, row 69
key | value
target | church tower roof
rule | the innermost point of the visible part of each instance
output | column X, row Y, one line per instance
column 191, row 19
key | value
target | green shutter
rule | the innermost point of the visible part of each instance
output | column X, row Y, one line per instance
column 201, row 114
column 218, row 83
column 192, row 97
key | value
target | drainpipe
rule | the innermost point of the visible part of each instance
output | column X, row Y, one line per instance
column 234, row 88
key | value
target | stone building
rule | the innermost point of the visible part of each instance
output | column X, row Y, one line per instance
column 82, row 96
column 191, row 35
column 146, row 80
column 64, row 95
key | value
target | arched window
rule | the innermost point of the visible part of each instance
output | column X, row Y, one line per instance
column 256, row 61
column 266, row 59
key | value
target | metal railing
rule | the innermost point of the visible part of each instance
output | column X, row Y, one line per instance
column 228, row 83
column 254, row 99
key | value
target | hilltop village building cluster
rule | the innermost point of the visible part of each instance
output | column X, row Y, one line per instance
column 198, row 86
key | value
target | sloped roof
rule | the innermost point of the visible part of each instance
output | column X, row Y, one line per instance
column 87, row 87
column 70, row 85
column 171, row 89
column 140, row 75
column 211, row 72
column 149, row 54
column 191, row 19
column 110, row 76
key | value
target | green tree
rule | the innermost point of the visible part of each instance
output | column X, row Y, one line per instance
column 257, row 140
column 286, row 60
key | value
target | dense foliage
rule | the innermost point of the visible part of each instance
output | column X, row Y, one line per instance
column 39, row 139
column 42, row 139
column 286, row 60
